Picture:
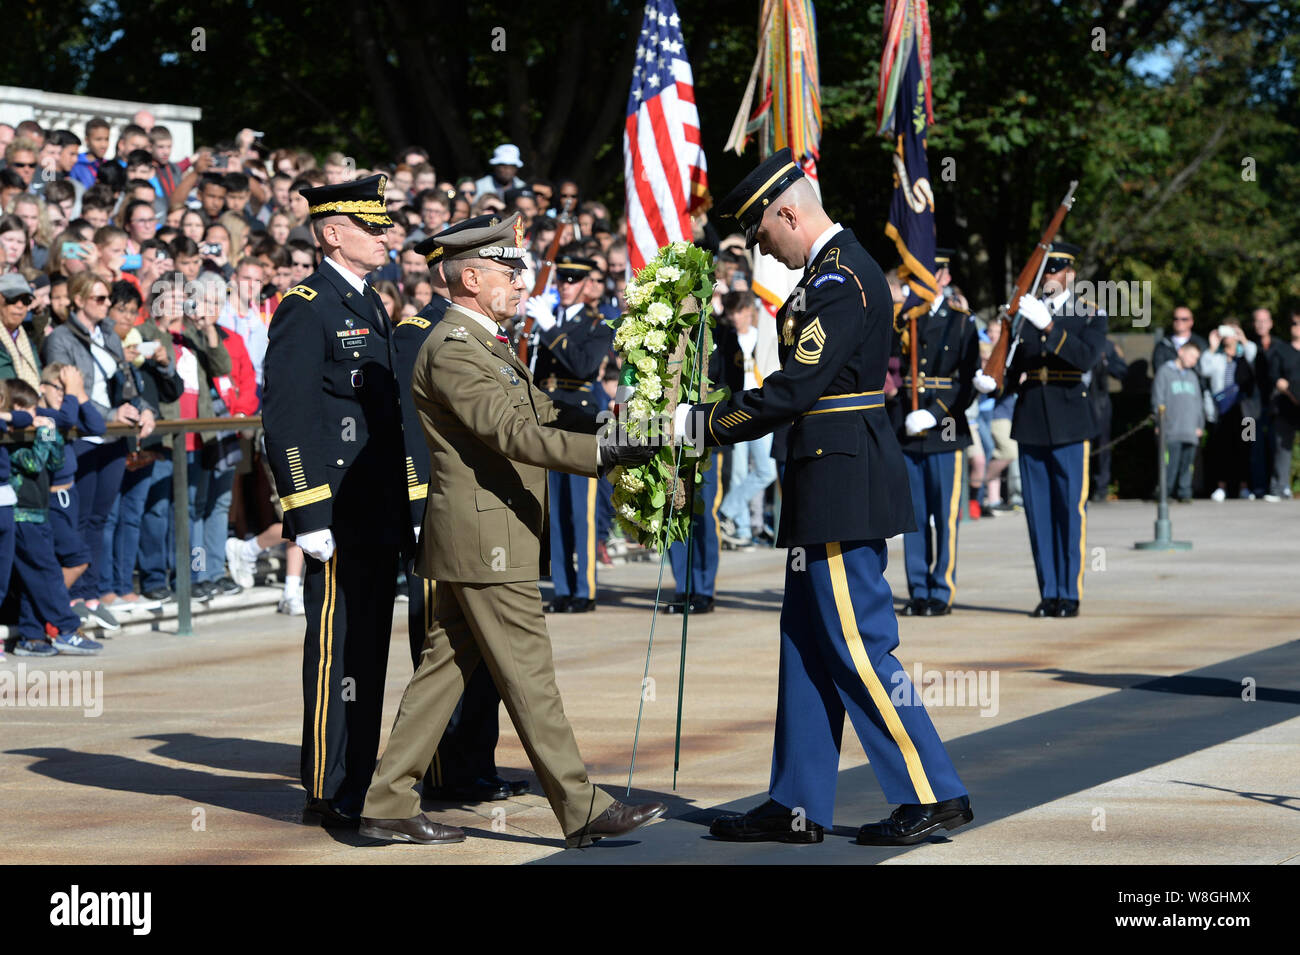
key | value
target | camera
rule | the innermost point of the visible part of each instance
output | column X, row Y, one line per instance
column 210, row 248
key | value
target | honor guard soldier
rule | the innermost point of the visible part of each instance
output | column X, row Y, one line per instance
column 706, row 531
column 334, row 439
column 464, row 767
column 1061, row 339
column 845, row 492
column 934, row 438
column 571, row 344
column 491, row 436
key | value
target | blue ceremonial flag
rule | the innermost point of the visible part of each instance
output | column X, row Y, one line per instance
column 904, row 108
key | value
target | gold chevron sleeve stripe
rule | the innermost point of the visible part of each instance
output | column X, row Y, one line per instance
column 811, row 342
column 417, row 492
column 314, row 495
column 868, row 675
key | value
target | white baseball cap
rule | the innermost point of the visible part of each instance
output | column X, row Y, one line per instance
column 507, row 154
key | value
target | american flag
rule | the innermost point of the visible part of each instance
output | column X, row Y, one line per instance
column 663, row 158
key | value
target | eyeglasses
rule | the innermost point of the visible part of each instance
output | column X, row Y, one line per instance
column 98, row 299
column 515, row 274
column 23, row 165
column 150, row 219
column 301, row 265
column 19, row 300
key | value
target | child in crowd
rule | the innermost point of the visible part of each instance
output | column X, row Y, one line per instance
column 1178, row 388
column 46, row 623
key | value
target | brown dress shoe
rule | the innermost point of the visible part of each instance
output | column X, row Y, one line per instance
column 420, row 829
column 617, row 820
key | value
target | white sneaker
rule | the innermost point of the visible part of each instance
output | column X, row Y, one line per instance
column 292, row 606
column 1219, row 495
column 1273, row 498
column 238, row 566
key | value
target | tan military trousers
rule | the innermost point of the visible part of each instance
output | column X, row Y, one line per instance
column 503, row 626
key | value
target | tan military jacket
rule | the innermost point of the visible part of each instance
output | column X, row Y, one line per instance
column 484, row 422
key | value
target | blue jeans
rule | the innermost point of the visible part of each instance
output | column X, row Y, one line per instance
column 156, row 547
column 122, row 530
column 99, row 478
column 752, row 470
column 210, row 493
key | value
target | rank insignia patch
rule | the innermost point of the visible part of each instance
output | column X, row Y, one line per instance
column 811, row 341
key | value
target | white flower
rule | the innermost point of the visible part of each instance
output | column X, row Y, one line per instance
column 668, row 273
column 631, row 483
column 651, row 387
column 639, row 410
column 679, row 247
column 656, row 340
column 635, row 295
column 658, row 314
column 629, row 334
column 628, row 512
column 648, row 366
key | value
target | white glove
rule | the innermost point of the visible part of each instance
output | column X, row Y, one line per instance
column 319, row 544
column 984, row 384
column 416, row 528
column 1035, row 312
column 918, row 421
column 539, row 310
column 679, row 425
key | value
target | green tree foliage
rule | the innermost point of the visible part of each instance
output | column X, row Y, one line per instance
column 1163, row 109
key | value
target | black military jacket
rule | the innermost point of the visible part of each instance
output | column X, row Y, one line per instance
column 947, row 360
column 568, row 360
column 408, row 337
column 1053, row 408
column 332, row 413
column 844, row 478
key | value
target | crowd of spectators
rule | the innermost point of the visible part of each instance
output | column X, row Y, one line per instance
column 137, row 288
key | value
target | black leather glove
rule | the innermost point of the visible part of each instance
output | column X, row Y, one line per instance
column 618, row 450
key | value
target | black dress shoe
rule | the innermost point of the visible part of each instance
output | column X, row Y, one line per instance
column 1045, row 608
column 675, row 605
column 579, row 605
column 912, row 823
column 617, row 820
column 418, row 829
column 1067, row 608
column 937, row 608
column 558, row 605
column 698, row 605
column 475, row 790
column 770, row 822
column 517, row 787
column 915, row 607
column 323, row 812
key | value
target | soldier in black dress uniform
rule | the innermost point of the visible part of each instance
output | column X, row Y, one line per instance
column 1061, row 339
column 334, row 439
column 845, row 492
column 571, row 343
column 934, row 438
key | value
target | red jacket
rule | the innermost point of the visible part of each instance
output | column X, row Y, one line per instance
column 239, row 388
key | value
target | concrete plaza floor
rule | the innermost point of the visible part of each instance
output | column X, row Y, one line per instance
column 1161, row 726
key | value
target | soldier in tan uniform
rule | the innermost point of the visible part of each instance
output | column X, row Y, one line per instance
column 492, row 437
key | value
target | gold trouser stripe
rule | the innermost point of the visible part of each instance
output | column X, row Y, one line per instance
column 1083, row 519
column 954, row 512
column 867, row 673
column 591, row 537
column 717, row 502
column 326, row 653
column 312, row 495
column 417, row 492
